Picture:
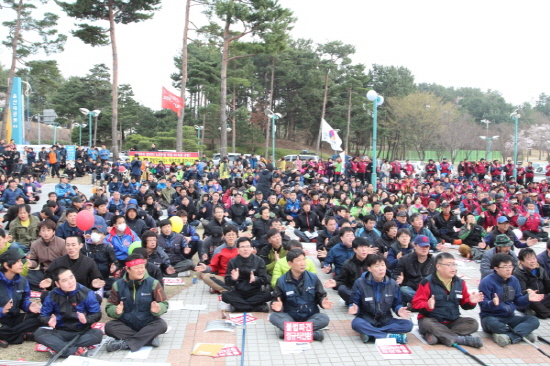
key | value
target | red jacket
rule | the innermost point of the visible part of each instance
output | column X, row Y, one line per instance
column 532, row 223
column 424, row 292
column 220, row 260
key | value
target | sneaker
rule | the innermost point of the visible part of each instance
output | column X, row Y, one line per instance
column 530, row 312
column 155, row 342
column 52, row 352
column 116, row 345
column 28, row 336
column 3, row 344
column 501, row 339
column 81, row 351
column 365, row 338
column 184, row 274
column 281, row 334
column 472, row 341
column 212, row 291
column 431, row 339
column 264, row 308
column 530, row 337
column 399, row 338
column 318, row 335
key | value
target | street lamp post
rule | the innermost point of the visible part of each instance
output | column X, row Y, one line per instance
column 274, row 116
column 199, row 128
column 516, row 116
column 90, row 114
column 79, row 125
column 377, row 100
column 489, row 143
column 54, row 125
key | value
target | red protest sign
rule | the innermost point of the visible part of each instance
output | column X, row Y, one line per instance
column 298, row 331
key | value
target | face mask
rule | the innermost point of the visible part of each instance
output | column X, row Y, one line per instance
column 95, row 237
column 121, row 227
column 399, row 194
column 531, row 211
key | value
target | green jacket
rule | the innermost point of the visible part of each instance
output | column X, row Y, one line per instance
column 24, row 235
column 156, row 292
column 282, row 267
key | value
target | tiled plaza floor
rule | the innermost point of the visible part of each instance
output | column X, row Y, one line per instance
column 341, row 346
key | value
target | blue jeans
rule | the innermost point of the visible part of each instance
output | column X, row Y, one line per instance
column 407, row 294
column 394, row 326
column 515, row 326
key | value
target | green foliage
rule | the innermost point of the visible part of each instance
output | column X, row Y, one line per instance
column 165, row 140
column 91, row 92
column 480, row 105
column 45, row 79
column 50, row 40
column 125, row 12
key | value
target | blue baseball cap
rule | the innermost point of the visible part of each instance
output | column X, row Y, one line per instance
column 502, row 219
column 422, row 241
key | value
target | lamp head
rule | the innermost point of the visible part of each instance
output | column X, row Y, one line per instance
column 372, row 95
column 268, row 112
column 483, row 137
column 84, row 111
column 97, row 112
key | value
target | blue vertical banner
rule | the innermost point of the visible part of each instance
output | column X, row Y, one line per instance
column 17, row 109
column 71, row 152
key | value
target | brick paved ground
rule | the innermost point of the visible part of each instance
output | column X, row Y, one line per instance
column 341, row 345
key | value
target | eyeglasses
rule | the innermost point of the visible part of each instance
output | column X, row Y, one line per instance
column 450, row 265
column 506, row 267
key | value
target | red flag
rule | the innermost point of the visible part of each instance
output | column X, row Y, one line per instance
column 171, row 101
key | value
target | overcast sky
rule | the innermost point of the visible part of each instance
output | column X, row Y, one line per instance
column 485, row 44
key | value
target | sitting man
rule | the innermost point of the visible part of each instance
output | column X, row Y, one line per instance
column 220, row 261
column 298, row 295
column 533, row 277
column 70, row 309
column 503, row 244
column 413, row 268
column 340, row 252
column 438, row 298
column 136, row 302
column 306, row 222
column 246, row 275
column 176, row 247
column 471, row 234
column 352, row 269
column 18, row 315
column 43, row 251
column 281, row 267
column 273, row 252
column 374, row 296
column 530, row 224
column 502, row 294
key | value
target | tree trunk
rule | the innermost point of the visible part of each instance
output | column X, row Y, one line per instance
column 179, row 127
column 223, row 89
column 115, row 82
column 346, row 143
column 233, row 124
column 16, row 37
column 317, row 147
column 268, row 124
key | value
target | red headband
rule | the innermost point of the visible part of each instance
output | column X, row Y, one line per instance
column 135, row 262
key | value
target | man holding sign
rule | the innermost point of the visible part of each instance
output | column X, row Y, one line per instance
column 298, row 295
